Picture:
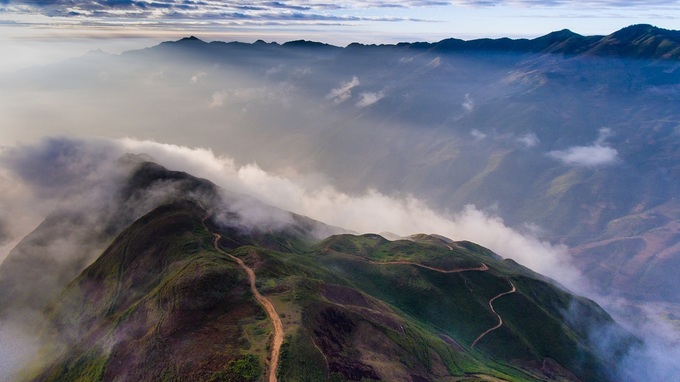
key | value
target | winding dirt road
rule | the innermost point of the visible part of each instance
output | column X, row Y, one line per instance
column 482, row 267
column 500, row 320
column 277, row 340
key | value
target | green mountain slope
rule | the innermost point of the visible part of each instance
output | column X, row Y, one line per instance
column 167, row 301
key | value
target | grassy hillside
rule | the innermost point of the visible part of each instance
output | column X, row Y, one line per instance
column 167, row 301
column 162, row 304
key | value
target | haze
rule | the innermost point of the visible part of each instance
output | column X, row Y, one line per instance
column 566, row 163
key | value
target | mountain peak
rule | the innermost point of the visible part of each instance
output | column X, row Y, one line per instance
column 191, row 39
column 564, row 33
column 307, row 44
column 641, row 41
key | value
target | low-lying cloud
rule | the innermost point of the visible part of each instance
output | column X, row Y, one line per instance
column 369, row 98
column 344, row 91
column 468, row 104
column 370, row 211
column 528, row 140
column 597, row 154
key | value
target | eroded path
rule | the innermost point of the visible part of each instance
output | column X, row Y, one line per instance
column 277, row 339
column 500, row 319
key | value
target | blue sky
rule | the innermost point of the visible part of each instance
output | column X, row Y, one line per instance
column 53, row 29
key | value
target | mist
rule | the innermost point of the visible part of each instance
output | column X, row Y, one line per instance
column 81, row 174
column 78, row 180
column 556, row 162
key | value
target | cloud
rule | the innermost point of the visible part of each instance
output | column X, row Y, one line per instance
column 18, row 346
column 79, row 173
column 478, row 135
column 153, row 15
column 255, row 11
column 566, row 3
column 369, row 98
column 217, row 99
column 597, row 154
column 344, row 91
column 656, row 356
column 197, row 76
column 370, row 211
column 249, row 96
column 468, row 104
column 529, row 140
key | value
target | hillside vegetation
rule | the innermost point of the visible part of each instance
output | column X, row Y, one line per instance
column 167, row 302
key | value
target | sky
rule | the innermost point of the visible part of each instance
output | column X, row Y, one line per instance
column 48, row 30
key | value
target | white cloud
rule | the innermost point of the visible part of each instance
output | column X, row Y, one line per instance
column 280, row 94
column 468, row 104
column 196, row 77
column 477, row 134
column 588, row 156
column 369, row 98
column 597, row 154
column 371, row 211
column 217, row 99
column 344, row 91
column 529, row 140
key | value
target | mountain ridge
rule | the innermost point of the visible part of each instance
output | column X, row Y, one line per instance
column 640, row 41
column 352, row 307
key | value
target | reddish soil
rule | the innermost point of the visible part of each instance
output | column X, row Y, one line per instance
column 500, row 320
column 277, row 339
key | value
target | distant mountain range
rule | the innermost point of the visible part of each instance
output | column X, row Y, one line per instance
column 641, row 41
column 532, row 105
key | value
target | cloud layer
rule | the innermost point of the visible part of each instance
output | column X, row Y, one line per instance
column 307, row 195
column 261, row 12
column 371, row 211
column 252, row 11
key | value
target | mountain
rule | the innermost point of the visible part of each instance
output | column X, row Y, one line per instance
column 640, row 41
column 171, row 299
column 568, row 139
column 536, row 111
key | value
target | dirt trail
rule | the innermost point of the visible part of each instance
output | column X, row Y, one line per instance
column 500, row 320
column 267, row 305
column 482, row 267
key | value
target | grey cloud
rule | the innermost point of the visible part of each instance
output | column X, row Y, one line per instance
column 64, row 7
column 262, row 11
